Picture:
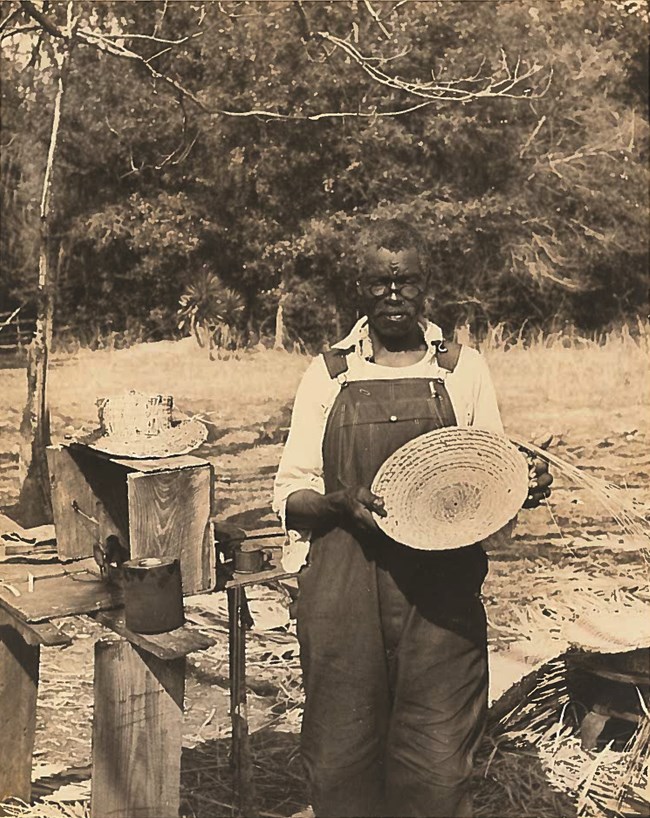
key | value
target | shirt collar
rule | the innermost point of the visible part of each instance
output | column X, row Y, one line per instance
column 359, row 337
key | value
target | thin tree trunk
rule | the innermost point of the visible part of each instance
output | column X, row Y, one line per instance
column 34, row 505
column 338, row 325
column 278, row 343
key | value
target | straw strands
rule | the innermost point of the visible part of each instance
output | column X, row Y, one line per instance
column 614, row 499
column 536, row 719
column 19, row 809
column 601, row 782
column 593, row 618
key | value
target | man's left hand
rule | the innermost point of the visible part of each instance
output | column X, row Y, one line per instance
column 539, row 481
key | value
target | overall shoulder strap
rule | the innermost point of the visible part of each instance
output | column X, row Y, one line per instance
column 336, row 361
column 449, row 358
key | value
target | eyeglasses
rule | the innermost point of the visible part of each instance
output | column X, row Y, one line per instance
column 408, row 291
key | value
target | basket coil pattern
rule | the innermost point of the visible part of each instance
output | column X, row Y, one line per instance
column 451, row 487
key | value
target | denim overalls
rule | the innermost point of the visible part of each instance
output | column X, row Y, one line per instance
column 393, row 640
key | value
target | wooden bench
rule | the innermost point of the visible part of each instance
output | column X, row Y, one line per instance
column 138, row 694
column 138, row 688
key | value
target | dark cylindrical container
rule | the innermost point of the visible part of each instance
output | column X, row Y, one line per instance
column 251, row 560
column 153, row 595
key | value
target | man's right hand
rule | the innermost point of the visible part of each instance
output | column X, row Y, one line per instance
column 357, row 506
column 308, row 509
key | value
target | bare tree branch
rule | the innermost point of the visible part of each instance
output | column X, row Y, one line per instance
column 179, row 154
column 9, row 18
column 463, row 89
column 531, row 138
column 453, row 90
column 111, row 128
column 121, row 51
column 158, row 54
column 160, row 18
column 44, row 21
column 377, row 19
column 304, row 23
column 94, row 39
column 596, row 234
column 20, row 30
column 152, row 38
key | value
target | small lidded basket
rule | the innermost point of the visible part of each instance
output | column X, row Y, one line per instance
column 122, row 416
column 142, row 426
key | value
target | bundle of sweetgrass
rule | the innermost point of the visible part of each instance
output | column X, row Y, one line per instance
column 536, row 715
column 614, row 499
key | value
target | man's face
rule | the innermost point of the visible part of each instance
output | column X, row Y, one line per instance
column 392, row 289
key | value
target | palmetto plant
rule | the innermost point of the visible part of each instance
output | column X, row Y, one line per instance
column 210, row 311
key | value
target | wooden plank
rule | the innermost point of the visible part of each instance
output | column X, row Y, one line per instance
column 60, row 596
column 141, row 464
column 169, row 515
column 35, row 633
column 18, row 693
column 16, row 549
column 137, row 733
column 266, row 533
column 99, row 489
column 8, row 526
column 40, row 535
column 176, row 463
column 19, row 570
column 167, row 646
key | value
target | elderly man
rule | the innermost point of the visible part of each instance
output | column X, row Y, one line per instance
column 393, row 640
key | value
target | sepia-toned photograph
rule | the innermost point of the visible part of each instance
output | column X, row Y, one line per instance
column 324, row 409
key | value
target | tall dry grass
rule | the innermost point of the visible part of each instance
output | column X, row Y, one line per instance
column 565, row 380
column 553, row 381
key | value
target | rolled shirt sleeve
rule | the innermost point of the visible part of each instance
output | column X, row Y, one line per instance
column 301, row 464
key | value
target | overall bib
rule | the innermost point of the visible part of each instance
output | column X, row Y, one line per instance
column 393, row 640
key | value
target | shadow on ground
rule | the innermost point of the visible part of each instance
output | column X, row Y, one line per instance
column 279, row 782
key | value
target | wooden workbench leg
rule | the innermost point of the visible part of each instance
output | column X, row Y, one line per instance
column 241, row 759
column 18, row 693
column 137, row 733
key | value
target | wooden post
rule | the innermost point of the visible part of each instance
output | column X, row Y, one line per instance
column 241, row 761
column 137, row 733
column 18, row 692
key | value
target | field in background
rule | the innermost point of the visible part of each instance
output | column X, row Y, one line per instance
column 593, row 397
column 557, row 381
column 571, row 384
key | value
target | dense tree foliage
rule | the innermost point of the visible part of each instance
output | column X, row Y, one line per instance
column 535, row 207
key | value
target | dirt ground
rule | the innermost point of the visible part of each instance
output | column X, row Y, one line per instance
column 559, row 555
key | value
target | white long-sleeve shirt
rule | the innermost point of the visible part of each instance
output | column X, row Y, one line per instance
column 469, row 387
